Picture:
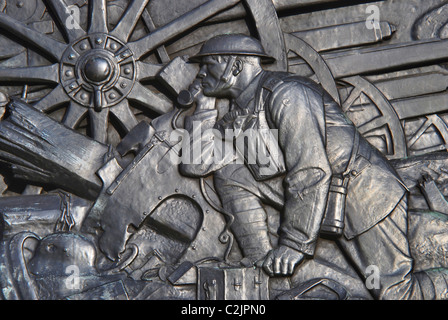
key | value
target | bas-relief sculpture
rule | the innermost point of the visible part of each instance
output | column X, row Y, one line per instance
column 100, row 202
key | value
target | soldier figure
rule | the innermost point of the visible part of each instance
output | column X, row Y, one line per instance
column 323, row 161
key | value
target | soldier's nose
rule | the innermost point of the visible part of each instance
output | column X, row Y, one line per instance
column 202, row 72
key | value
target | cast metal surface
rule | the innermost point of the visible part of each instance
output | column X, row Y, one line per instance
column 93, row 206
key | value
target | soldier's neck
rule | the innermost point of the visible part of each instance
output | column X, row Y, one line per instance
column 244, row 79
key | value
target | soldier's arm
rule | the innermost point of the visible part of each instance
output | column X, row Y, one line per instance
column 298, row 113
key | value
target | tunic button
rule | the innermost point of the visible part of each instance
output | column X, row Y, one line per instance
column 354, row 173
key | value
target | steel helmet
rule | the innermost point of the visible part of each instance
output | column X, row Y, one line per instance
column 233, row 44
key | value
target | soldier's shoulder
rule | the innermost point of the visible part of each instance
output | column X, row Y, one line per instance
column 276, row 81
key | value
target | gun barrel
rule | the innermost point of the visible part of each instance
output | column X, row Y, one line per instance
column 413, row 86
column 411, row 96
column 157, row 8
column 383, row 59
column 346, row 35
column 421, row 106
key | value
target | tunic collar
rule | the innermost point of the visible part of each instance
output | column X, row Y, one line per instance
column 245, row 100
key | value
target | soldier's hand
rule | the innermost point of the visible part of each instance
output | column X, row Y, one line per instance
column 282, row 261
column 203, row 102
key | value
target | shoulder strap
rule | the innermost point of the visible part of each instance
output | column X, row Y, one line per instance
column 269, row 82
column 353, row 154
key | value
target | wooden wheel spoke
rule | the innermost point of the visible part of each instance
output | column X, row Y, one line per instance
column 372, row 125
column 98, row 124
column 124, row 115
column 128, row 21
column 149, row 99
column 68, row 23
column 74, row 114
column 98, row 16
column 44, row 43
column 179, row 25
column 52, row 100
column 45, row 74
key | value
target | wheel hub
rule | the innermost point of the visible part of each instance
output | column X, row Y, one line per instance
column 97, row 71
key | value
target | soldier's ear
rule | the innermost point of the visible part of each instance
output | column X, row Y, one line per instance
column 237, row 67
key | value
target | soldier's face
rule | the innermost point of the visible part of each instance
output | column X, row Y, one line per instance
column 212, row 71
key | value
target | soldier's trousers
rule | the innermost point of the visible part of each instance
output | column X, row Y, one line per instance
column 383, row 249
